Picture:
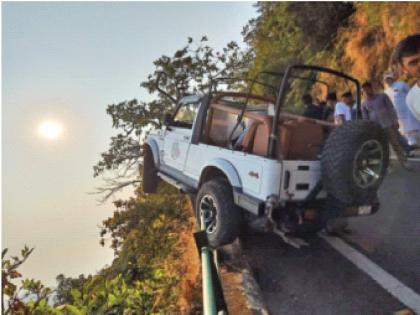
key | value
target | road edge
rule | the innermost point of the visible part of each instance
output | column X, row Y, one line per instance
column 233, row 259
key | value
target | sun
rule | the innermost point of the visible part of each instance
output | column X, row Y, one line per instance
column 50, row 130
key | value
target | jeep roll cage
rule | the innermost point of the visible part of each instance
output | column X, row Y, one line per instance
column 279, row 93
column 280, row 96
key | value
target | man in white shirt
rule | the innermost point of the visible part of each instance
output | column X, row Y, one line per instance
column 397, row 91
column 343, row 109
column 407, row 55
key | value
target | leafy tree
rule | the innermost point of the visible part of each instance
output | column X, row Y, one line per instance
column 31, row 297
column 321, row 21
column 64, row 287
column 143, row 230
column 188, row 71
column 355, row 37
column 116, row 297
column 287, row 32
column 153, row 291
column 8, row 273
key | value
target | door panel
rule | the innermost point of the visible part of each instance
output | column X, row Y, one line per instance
column 177, row 142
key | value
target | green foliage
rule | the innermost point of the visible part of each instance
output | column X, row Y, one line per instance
column 31, row 297
column 288, row 32
column 65, row 285
column 142, row 278
column 116, row 297
column 141, row 230
column 356, row 38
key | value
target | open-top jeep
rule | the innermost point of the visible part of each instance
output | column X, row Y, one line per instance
column 240, row 154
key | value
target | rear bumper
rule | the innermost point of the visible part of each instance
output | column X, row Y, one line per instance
column 257, row 207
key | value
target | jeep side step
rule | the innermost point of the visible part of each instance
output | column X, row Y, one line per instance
column 180, row 186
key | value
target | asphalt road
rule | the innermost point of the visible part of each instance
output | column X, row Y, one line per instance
column 379, row 256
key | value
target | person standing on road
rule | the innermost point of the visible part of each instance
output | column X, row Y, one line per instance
column 407, row 56
column 328, row 112
column 378, row 107
column 344, row 109
column 311, row 110
column 397, row 92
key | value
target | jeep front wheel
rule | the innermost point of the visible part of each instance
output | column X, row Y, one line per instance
column 222, row 217
column 150, row 178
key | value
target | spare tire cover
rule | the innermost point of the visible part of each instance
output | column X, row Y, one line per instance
column 354, row 161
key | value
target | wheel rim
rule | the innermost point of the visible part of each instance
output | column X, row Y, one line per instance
column 208, row 210
column 368, row 164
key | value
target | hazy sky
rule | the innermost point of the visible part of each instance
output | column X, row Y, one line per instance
column 66, row 62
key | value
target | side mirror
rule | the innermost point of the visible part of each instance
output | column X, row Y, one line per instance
column 167, row 120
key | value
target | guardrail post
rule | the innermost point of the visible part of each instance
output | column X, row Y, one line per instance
column 209, row 301
column 213, row 299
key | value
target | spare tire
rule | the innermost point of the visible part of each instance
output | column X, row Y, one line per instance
column 354, row 160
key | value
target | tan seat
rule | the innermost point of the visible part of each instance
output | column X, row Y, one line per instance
column 222, row 120
column 248, row 141
column 219, row 130
column 297, row 140
column 300, row 140
column 262, row 135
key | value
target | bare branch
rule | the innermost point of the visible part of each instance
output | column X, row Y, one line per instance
column 112, row 187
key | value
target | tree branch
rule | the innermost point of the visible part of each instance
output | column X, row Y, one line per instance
column 113, row 187
column 164, row 93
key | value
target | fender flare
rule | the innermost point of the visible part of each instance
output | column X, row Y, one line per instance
column 226, row 168
column 155, row 150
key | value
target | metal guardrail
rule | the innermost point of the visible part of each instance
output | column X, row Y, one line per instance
column 213, row 300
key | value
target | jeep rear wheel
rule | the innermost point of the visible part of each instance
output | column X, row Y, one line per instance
column 221, row 216
column 354, row 161
column 150, row 178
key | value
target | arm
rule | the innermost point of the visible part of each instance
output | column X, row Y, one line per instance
column 339, row 116
column 365, row 112
column 340, row 119
column 391, row 110
column 406, row 88
column 413, row 107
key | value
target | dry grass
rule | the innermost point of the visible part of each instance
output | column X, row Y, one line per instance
column 186, row 263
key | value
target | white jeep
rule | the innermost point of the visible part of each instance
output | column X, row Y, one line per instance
column 241, row 153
